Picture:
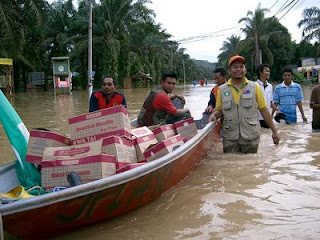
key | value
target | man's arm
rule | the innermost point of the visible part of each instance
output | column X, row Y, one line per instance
column 178, row 96
column 163, row 102
column 301, row 111
column 315, row 106
column 274, row 108
column 215, row 115
column 211, row 103
column 93, row 105
column 180, row 112
column 267, row 118
column 313, row 99
column 124, row 101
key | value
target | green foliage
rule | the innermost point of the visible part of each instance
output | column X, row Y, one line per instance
column 126, row 40
column 274, row 41
column 299, row 77
column 311, row 23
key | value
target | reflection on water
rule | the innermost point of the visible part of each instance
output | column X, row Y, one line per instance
column 273, row 194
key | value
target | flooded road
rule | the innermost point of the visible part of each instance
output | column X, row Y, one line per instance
column 274, row 194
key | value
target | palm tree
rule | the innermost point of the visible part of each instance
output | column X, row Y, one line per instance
column 256, row 31
column 310, row 23
column 229, row 48
column 12, row 24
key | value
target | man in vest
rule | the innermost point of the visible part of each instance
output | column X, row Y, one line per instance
column 107, row 96
column 239, row 101
column 263, row 72
column 158, row 108
column 219, row 75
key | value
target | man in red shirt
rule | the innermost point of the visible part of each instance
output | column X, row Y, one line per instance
column 158, row 108
column 107, row 96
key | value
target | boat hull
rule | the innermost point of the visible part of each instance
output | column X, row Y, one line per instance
column 81, row 205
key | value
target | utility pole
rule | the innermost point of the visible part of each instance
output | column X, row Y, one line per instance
column 184, row 73
column 260, row 56
column 90, row 50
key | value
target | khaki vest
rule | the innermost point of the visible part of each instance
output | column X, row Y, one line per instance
column 148, row 115
column 240, row 119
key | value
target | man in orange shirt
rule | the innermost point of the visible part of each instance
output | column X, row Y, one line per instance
column 219, row 75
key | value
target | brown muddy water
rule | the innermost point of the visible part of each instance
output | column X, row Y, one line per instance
column 274, row 194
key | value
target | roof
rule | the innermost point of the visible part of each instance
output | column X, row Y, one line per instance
column 141, row 75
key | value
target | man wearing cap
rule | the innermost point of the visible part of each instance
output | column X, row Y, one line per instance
column 238, row 102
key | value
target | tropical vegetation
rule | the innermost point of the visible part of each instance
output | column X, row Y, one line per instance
column 127, row 40
column 268, row 41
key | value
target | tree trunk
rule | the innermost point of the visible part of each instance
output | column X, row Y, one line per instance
column 257, row 60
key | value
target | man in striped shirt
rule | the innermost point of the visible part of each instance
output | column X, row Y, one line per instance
column 288, row 95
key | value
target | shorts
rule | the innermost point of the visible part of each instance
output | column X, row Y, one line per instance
column 241, row 145
column 264, row 124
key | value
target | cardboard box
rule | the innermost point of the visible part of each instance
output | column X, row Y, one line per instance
column 130, row 149
column 54, row 173
column 114, row 146
column 128, row 167
column 141, row 132
column 73, row 151
column 41, row 139
column 164, row 132
column 163, row 148
column 142, row 143
column 186, row 128
column 100, row 124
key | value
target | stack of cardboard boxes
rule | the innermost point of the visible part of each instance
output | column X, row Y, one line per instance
column 102, row 144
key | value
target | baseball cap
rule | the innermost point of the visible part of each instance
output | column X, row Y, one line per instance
column 236, row 58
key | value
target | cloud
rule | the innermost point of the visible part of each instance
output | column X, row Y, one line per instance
column 186, row 18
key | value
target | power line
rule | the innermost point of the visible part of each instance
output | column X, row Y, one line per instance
column 273, row 5
column 280, row 8
column 213, row 34
column 283, row 8
column 207, row 34
column 208, row 37
column 288, row 10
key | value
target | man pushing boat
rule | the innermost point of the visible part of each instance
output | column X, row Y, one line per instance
column 238, row 102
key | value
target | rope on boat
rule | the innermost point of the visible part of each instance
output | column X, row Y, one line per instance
column 1, row 228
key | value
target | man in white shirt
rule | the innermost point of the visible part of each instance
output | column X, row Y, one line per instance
column 263, row 72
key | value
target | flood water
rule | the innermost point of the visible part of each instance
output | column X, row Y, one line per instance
column 274, row 194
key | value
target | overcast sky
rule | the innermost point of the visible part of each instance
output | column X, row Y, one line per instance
column 188, row 18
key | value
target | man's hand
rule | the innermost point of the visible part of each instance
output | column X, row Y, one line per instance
column 209, row 109
column 212, row 118
column 304, row 118
column 178, row 96
column 276, row 138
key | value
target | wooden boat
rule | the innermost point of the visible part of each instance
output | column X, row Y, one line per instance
column 63, row 211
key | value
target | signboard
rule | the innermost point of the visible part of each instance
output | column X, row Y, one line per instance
column 6, row 61
column 308, row 62
column 60, row 68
